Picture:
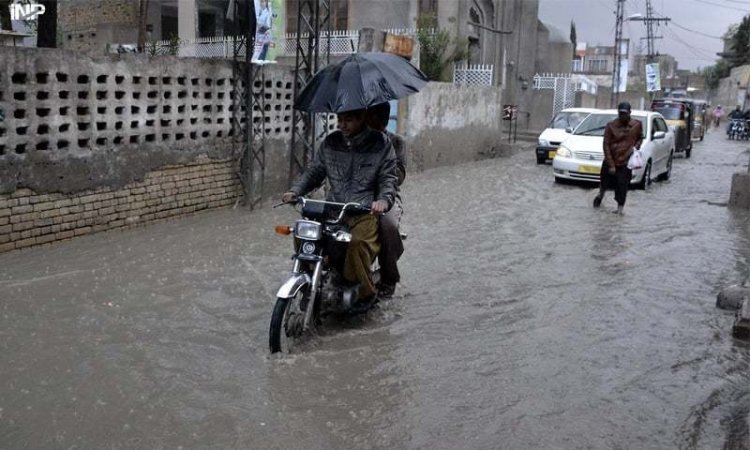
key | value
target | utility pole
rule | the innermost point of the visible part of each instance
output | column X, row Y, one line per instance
column 618, row 53
column 650, row 21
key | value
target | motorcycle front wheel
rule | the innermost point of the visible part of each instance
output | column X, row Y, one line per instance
column 287, row 323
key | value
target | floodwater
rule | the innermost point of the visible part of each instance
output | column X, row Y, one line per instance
column 526, row 319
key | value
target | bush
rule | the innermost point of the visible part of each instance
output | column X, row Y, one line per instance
column 437, row 50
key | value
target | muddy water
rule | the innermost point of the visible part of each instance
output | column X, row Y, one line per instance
column 526, row 319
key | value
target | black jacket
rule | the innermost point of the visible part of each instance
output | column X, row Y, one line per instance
column 361, row 169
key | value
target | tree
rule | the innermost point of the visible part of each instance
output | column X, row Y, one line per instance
column 573, row 37
column 740, row 43
column 435, row 55
column 714, row 74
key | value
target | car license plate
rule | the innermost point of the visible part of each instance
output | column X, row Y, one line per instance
column 552, row 154
column 589, row 169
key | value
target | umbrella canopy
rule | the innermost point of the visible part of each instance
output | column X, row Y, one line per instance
column 360, row 81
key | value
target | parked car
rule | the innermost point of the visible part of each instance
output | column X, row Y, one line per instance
column 580, row 156
column 558, row 130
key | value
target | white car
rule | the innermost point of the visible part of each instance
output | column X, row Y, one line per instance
column 558, row 130
column 580, row 156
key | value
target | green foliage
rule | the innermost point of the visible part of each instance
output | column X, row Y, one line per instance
column 740, row 43
column 173, row 47
column 715, row 73
column 437, row 50
column 152, row 48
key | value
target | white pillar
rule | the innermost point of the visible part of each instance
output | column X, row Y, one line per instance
column 187, row 25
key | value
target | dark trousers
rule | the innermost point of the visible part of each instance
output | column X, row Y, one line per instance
column 391, row 245
column 620, row 182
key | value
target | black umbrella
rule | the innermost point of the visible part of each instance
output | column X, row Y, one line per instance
column 360, row 81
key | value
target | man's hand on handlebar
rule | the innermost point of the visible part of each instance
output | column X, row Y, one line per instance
column 289, row 197
column 378, row 207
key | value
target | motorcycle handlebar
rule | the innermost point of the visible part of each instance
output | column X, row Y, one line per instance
column 351, row 206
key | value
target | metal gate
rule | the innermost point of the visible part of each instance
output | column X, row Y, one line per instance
column 564, row 87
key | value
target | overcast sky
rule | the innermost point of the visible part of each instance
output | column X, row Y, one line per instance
column 595, row 24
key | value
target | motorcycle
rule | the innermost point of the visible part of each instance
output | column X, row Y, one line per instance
column 737, row 129
column 315, row 285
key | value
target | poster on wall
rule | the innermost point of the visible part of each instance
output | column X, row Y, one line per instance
column 269, row 36
column 653, row 78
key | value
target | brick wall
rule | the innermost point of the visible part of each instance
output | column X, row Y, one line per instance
column 89, row 25
column 28, row 218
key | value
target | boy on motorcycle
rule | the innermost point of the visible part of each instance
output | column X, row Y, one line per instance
column 391, row 245
column 360, row 166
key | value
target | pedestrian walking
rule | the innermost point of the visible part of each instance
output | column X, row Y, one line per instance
column 391, row 245
column 621, row 137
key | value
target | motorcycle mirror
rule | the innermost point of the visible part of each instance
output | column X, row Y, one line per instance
column 283, row 230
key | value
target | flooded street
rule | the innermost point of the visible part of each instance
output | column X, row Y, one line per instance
column 526, row 319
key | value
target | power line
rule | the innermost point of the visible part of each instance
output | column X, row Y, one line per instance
column 721, row 6
column 695, row 51
column 691, row 30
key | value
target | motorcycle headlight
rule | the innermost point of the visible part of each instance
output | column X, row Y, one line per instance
column 307, row 229
column 543, row 143
column 564, row 152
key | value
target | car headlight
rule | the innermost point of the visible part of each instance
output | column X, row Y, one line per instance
column 564, row 152
column 543, row 143
column 307, row 229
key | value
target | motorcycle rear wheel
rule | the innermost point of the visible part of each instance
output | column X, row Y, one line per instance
column 287, row 323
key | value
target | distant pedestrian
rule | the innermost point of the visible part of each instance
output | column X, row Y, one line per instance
column 621, row 137
column 718, row 113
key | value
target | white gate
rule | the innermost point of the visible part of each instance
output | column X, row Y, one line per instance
column 564, row 87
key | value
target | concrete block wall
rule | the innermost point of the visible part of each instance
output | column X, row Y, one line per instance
column 28, row 218
column 76, row 126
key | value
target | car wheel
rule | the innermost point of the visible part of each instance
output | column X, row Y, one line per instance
column 646, row 180
column 665, row 176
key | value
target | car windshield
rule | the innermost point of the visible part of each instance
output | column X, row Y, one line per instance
column 595, row 124
column 567, row 119
column 669, row 112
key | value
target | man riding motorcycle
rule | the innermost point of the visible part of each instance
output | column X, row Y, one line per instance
column 360, row 166
column 737, row 114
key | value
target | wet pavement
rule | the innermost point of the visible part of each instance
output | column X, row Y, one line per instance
column 526, row 319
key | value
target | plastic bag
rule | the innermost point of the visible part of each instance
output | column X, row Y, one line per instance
column 636, row 160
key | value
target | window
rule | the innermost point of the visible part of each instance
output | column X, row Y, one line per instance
column 339, row 15
column 598, row 65
column 661, row 125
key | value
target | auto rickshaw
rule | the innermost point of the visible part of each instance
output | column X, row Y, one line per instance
column 679, row 115
column 700, row 119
